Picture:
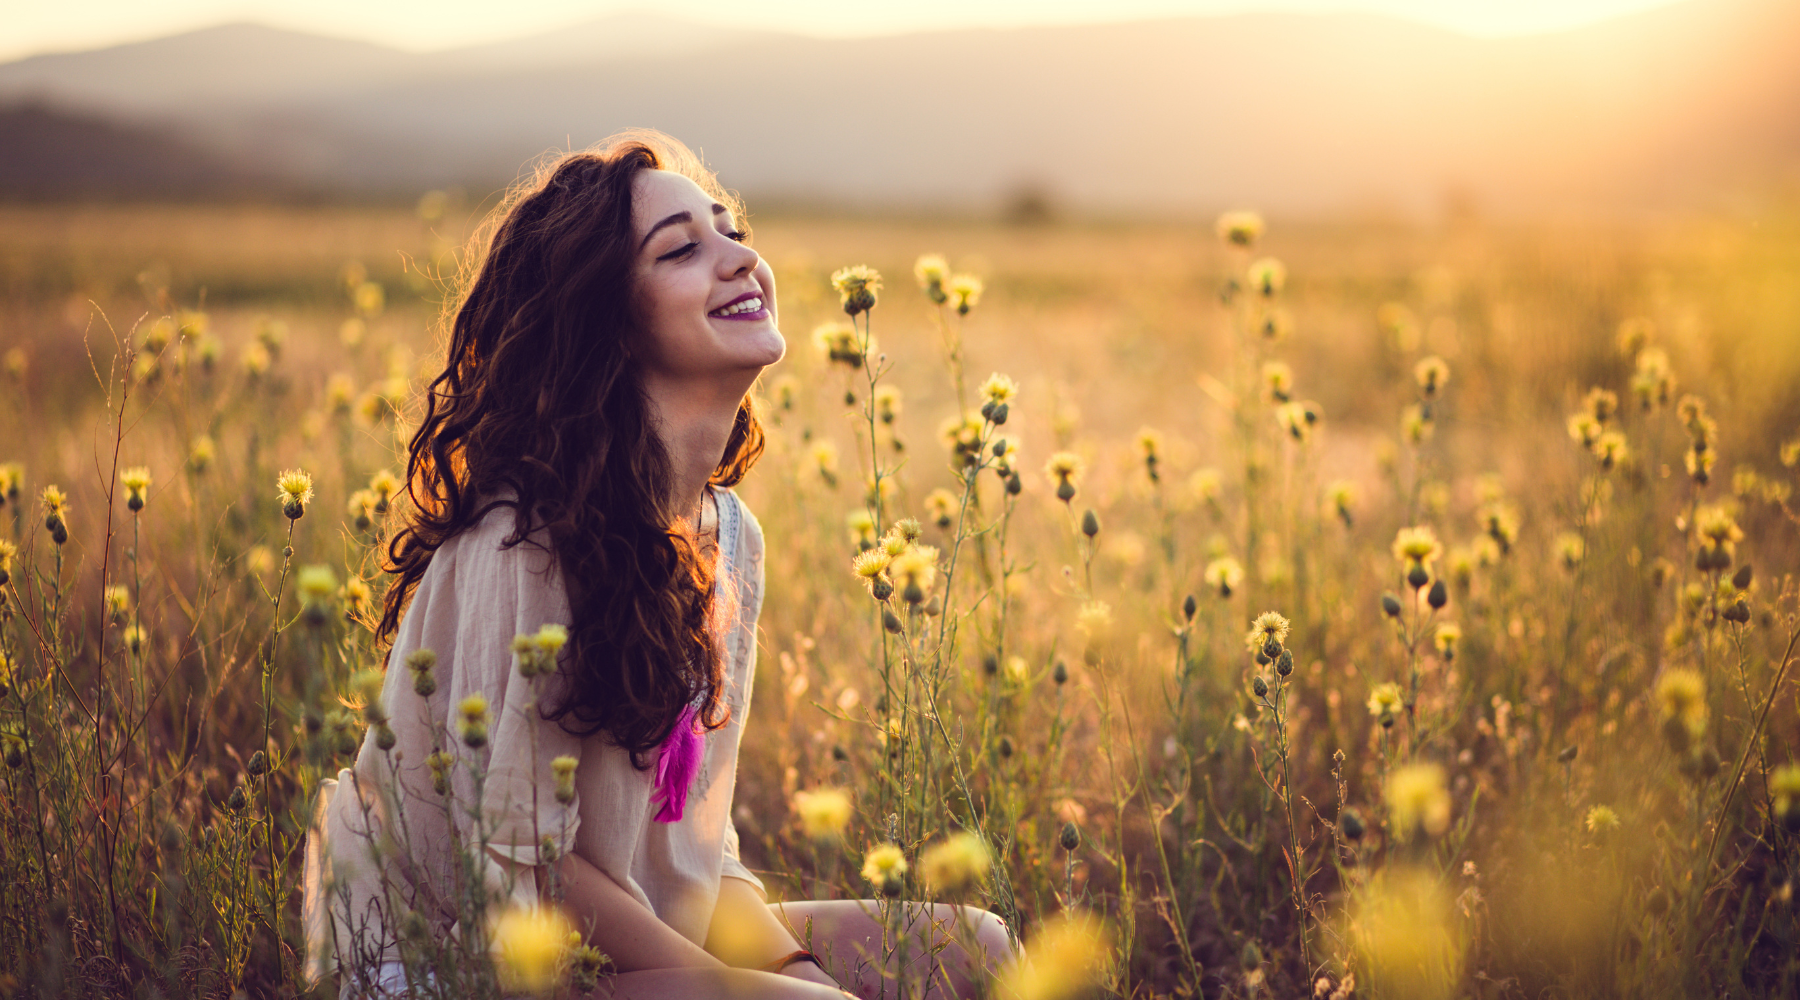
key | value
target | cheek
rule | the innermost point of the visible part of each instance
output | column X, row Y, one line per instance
column 673, row 308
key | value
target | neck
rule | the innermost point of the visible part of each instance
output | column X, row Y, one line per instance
column 694, row 427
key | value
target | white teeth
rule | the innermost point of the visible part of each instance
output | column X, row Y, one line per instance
column 748, row 305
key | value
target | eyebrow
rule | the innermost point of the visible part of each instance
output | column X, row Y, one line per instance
column 678, row 217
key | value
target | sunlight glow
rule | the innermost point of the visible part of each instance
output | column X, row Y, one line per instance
column 422, row 25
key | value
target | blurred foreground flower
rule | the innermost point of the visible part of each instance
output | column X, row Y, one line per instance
column 955, row 863
column 1417, row 798
column 1404, row 929
column 528, row 947
column 1065, row 958
column 823, row 813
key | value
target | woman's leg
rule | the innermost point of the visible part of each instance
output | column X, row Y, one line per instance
column 942, row 950
column 710, row 984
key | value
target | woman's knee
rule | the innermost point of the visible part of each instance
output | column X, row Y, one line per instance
column 993, row 943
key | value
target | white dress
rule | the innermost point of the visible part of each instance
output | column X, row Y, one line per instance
column 374, row 856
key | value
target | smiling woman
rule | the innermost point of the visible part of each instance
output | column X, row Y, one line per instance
column 574, row 627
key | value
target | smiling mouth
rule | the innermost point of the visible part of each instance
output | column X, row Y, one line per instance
column 748, row 307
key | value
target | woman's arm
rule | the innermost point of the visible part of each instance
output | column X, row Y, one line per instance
column 616, row 923
column 746, row 934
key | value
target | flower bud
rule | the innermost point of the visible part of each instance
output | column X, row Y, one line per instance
column 1272, row 649
column 1259, row 687
column 1284, row 664
column 1568, row 754
column 1350, row 824
column 1015, row 486
column 1006, row 747
column 237, row 800
column 1061, row 674
column 1438, row 595
column 891, row 621
column 990, row 664
column 1390, row 605
column 1090, row 523
column 1065, row 491
column 259, row 764
column 384, row 737
column 1417, row 576
column 1251, row 959
column 1739, row 612
column 1071, row 836
column 1188, row 607
column 1741, row 579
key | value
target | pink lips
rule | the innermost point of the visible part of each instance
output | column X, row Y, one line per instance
column 755, row 314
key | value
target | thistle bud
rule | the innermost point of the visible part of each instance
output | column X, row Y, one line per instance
column 1061, row 674
column 384, row 737
column 1739, row 612
column 237, row 800
column 1438, row 595
column 1070, row 837
column 1251, row 959
column 1284, row 664
column 1188, row 607
column 1271, row 648
column 1390, row 605
column 1065, row 491
column 891, row 621
column 1090, row 523
column 1006, row 747
column 990, row 664
column 421, row 662
column 999, row 415
column 1015, row 486
column 564, row 770
column 1417, row 577
column 1350, row 824
column 1568, row 754
column 259, row 764
column 1259, row 687
column 881, row 589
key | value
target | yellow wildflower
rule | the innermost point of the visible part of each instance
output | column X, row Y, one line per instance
column 1417, row 797
column 960, row 860
column 884, row 866
column 824, row 813
column 857, row 287
column 529, row 946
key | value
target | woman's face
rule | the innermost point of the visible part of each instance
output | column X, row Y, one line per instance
column 706, row 298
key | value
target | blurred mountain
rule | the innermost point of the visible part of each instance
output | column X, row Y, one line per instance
column 53, row 154
column 1296, row 113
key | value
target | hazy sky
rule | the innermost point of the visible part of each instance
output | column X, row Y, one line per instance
column 35, row 26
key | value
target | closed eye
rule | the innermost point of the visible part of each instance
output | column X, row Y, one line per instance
column 678, row 252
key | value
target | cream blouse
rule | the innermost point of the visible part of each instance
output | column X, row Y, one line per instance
column 373, row 856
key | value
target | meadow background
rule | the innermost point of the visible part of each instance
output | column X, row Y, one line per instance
column 1511, row 445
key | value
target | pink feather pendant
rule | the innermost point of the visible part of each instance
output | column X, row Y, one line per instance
column 676, row 764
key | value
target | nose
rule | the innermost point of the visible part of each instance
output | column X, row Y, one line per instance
column 738, row 259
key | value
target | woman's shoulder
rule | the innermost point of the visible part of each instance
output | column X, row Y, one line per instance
column 481, row 548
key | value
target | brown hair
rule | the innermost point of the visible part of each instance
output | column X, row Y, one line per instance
column 540, row 392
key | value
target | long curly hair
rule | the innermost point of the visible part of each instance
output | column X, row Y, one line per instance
column 540, row 392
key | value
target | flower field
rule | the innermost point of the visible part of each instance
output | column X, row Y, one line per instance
column 1255, row 607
